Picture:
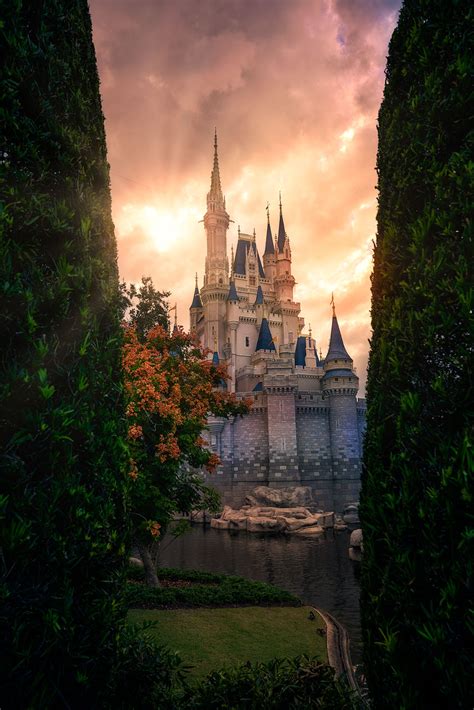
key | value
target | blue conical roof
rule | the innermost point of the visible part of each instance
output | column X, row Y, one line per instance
column 215, row 358
column 269, row 245
column 300, row 351
column 197, row 303
column 232, row 295
column 281, row 231
column 337, row 350
column 265, row 340
column 259, row 299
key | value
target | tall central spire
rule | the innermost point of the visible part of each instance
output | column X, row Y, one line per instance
column 215, row 199
column 281, row 230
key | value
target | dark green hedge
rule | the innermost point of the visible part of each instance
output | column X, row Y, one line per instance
column 417, row 495
column 208, row 590
column 62, row 473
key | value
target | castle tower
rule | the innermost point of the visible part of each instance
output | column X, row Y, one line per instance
column 269, row 258
column 340, row 385
column 284, row 282
column 216, row 278
column 195, row 311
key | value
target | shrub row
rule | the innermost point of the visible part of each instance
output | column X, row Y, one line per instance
column 209, row 590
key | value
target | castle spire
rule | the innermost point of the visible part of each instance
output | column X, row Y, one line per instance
column 269, row 246
column 337, row 349
column 197, row 303
column 281, row 230
column 215, row 196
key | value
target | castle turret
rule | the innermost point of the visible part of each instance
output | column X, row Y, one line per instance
column 195, row 310
column 216, row 278
column 284, row 281
column 340, row 385
column 269, row 258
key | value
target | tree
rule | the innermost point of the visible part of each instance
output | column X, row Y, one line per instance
column 417, row 492
column 145, row 307
column 63, row 522
column 172, row 386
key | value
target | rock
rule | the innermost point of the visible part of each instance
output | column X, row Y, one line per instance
column 219, row 524
column 338, row 527
column 326, row 520
column 135, row 562
column 280, row 497
column 312, row 530
column 355, row 554
column 263, row 524
column 350, row 514
column 356, row 539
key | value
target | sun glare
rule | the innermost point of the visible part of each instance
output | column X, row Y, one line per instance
column 163, row 228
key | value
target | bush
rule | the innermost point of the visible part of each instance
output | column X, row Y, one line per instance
column 62, row 513
column 222, row 590
column 417, row 493
column 283, row 684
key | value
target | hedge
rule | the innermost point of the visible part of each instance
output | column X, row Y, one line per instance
column 62, row 478
column 208, row 590
column 417, row 489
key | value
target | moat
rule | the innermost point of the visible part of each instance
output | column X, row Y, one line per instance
column 317, row 570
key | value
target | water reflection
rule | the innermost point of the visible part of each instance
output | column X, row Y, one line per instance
column 317, row 570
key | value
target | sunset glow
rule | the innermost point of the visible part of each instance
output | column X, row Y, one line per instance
column 294, row 94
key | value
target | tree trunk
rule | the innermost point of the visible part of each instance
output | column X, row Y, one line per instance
column 151, row 578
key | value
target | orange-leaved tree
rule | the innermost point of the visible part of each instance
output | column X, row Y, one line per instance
column 171, row 387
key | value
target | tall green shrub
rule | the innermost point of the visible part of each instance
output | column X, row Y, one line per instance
column 417, row 494
column 61, row 421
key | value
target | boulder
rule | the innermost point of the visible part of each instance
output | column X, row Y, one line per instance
column 312, row 530
column 263, row 524
column 135, row 562
column 355, row 554
column 280, row 497
column 326, row 520
column 350, row 514
column 356, row 539
column 219, row 524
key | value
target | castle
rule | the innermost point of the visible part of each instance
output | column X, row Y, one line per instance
column 306, row 423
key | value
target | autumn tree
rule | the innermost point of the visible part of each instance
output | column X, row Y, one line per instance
column 144, row 306
column 171, row 387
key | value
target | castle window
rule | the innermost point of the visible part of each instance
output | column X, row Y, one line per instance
column 252, row 267
column 336, row 379
column 252, row 280
column 247, row 341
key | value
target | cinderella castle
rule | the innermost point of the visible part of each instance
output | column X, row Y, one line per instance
column 306, row 424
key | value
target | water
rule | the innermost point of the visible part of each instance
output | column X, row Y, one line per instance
column 319, row 571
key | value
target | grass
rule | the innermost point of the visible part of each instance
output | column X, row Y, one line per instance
column 210, row 639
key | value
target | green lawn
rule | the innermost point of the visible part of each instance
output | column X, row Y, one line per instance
column 209, row 639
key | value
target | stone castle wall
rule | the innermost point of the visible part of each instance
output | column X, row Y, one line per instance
column 310, row 443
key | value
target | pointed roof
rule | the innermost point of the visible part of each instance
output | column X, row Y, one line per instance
column 300, row 351
column 259, row 299
column 265, row 340
column 232, row 295
column 215, row 194
column 197, row 303
column 281, row 230
column 243, row 245
column 269, row 246
column 215, row 358
column 337, row 350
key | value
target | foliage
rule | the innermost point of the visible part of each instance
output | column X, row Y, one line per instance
column 145, row 307
column 282, row 684
column 171, row 386
column 208, row 590
column 146, row 676
column 63, row 475
column 416, row 504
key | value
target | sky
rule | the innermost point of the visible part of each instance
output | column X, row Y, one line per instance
column 293, row 88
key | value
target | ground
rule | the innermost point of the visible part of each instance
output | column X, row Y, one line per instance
column 209, row 639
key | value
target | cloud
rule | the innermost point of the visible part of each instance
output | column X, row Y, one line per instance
column 294, row 90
